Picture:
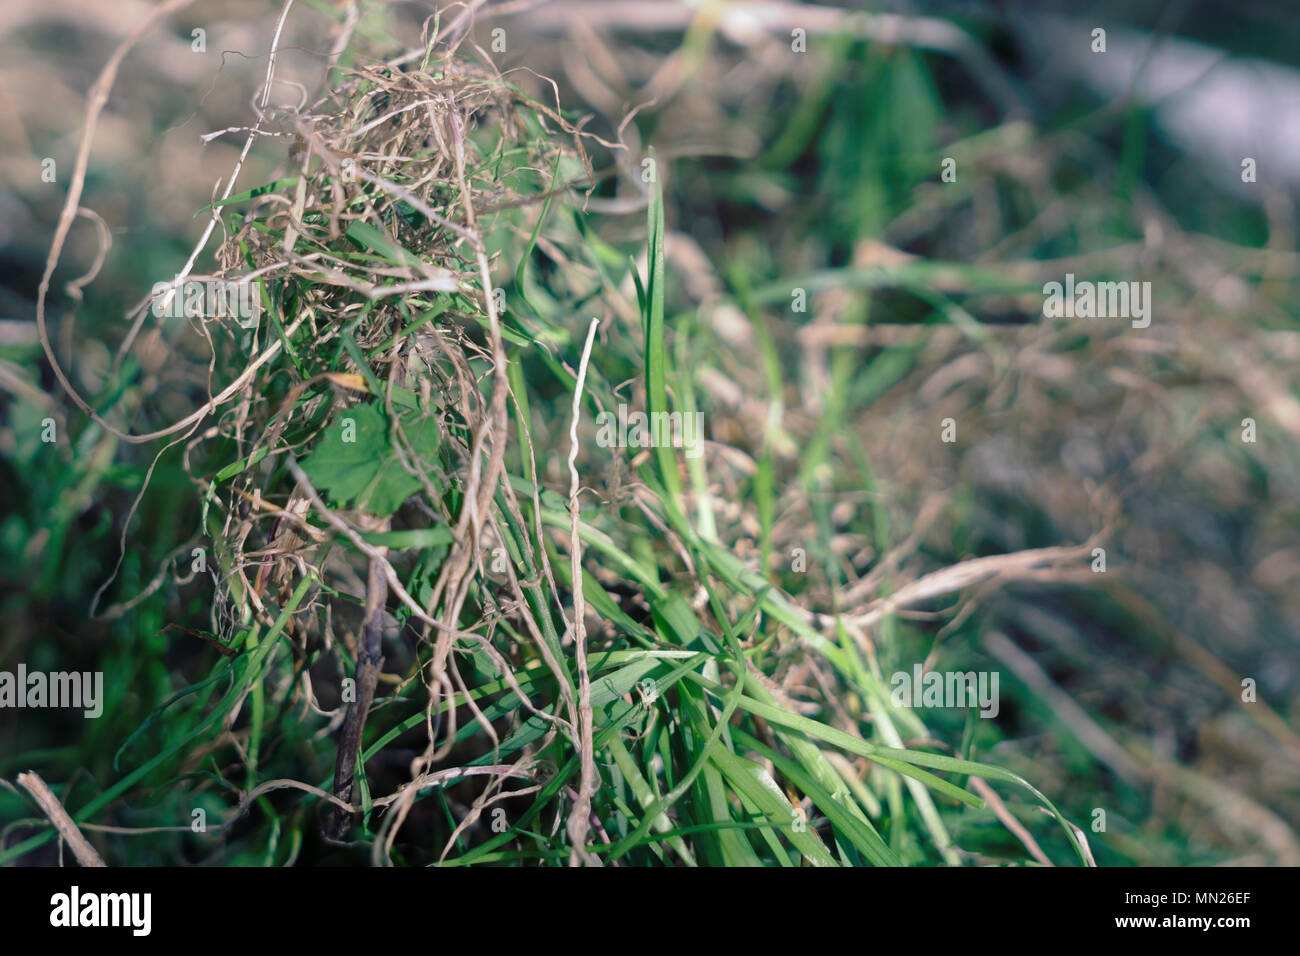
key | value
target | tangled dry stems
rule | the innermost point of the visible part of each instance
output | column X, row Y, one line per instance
column 398, row 154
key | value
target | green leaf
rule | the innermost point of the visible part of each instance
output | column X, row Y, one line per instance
column 754, row 783
column 369, row 237
column 240, row 466
column 251, row 194
column 357, row 463
column 674, row 612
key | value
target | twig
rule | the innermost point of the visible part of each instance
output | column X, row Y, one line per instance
column 370, row 660
column 580, row 817
column 85, row 853
column 1017, row 564
column 1009, row 820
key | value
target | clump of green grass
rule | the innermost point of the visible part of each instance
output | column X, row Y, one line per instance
column 393, row 604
